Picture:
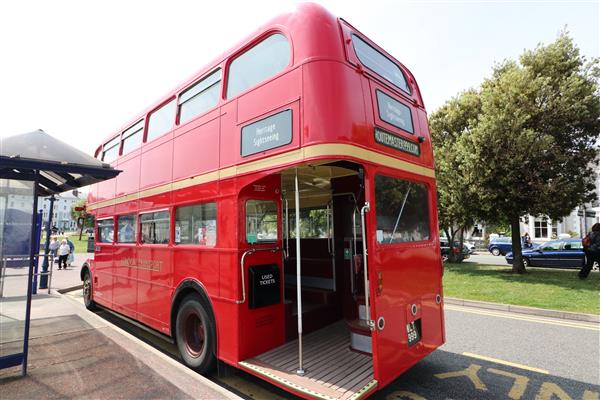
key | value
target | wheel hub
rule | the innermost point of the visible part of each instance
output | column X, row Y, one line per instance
column 193, row 330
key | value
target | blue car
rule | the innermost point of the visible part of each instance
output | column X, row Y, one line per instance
column 561, row 253
column 500, row 245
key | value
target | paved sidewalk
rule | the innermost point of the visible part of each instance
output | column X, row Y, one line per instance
column 75, row 354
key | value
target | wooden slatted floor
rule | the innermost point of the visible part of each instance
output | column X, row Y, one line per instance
column 333, row 371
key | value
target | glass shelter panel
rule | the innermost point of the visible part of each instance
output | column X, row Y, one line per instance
column 16, row 208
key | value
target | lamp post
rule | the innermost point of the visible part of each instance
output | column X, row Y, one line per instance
column 44, row 277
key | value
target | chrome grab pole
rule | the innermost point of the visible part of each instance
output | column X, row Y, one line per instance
column 328, row 230
column 287, row 229
column 300, row 371
column 242, row 273
column 365, row 209
column 333, row 247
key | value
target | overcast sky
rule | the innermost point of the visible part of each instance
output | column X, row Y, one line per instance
column 81, row 69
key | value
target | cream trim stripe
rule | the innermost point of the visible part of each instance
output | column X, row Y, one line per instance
column 298, row 155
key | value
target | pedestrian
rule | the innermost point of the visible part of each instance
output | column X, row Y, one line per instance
column 63, row 254
column 591, row 247
column 71, row 250
column 53, row 246
column 526, row 239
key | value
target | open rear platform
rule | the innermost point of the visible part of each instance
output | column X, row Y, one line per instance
column 333, row 371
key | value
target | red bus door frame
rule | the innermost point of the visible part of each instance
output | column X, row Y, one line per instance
column 398, row 296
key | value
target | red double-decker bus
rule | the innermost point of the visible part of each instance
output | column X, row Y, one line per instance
column 277, row 212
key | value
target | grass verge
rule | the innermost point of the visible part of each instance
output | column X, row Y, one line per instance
column 540, row 287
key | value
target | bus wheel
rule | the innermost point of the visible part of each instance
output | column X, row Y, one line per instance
column 87, row 292
column 195, row 334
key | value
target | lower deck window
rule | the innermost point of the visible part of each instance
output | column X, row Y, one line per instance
column 402, row 210
column 261, row 221
column 106, row 230
column 196, row 224
column 127, row 229
column 154, row 227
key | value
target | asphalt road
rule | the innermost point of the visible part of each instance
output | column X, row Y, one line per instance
column 487, row 355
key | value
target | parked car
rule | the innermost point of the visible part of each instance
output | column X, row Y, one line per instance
column 470, row 246
column 562, row 253
column 500, row 245
column 445, row 249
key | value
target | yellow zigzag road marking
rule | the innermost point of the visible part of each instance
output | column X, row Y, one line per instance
column 510, row 364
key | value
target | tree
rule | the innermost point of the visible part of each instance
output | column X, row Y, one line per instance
column 79, row 214
column 534, row 147
column 449, row 126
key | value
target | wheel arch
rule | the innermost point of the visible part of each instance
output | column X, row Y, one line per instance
column 185, row 288
column 85, row 268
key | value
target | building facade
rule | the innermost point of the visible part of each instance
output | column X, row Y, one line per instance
column 61, row 218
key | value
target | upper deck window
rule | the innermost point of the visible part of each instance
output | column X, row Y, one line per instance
column 379, row 63
column 132, row 137
column 260, row 62
column 200, row 98
column 111, row 150
column 161, row 120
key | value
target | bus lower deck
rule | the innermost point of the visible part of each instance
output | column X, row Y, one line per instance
column 334, row 359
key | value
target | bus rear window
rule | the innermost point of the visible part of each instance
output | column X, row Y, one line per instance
column 402, row 210
column 259, row 63
column 379, row 64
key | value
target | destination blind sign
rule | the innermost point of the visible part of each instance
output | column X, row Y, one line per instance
column 387, row 139
column 393, row 112
column 268, row 133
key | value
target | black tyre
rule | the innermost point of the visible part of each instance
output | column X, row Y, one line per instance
column 525, row 262
column 195, row 334
column 87, row 292
column 496, row 251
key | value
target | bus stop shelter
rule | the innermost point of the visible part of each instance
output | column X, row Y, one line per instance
column 31, row 165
